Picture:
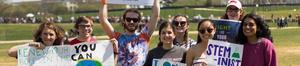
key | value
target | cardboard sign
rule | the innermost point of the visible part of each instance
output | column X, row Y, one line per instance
column 220, row 53
column 99, row 53
column 227, row 30
column 132, row 2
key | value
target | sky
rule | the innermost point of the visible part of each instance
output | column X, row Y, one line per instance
column 14, row 1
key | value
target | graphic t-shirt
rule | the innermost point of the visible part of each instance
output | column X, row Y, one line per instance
column 132, row 48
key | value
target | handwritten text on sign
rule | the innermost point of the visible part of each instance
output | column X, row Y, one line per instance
column 99, row 54
column 220, row 53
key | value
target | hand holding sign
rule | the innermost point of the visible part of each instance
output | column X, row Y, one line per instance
column 103, row 1
column 37, row 45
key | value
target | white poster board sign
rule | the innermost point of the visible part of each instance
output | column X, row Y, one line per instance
column 220, row 53
column 99, row 53
column 132, row 2
column 164, row 62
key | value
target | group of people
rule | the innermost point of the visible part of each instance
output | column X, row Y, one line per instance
column 131, row 47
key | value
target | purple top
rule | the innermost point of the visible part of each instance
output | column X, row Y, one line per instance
column 260, row 54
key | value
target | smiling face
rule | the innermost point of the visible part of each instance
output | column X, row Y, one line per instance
column 233, row 13
column 131, row 21
column 85, row 29
column 180, row 23
column 206, row 30
column 249, row 27
column 167, row 35
column 48, row 36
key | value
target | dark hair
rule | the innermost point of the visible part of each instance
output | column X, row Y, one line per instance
column 263, row 29
column 162, row 26
column 225, row 16
column 60, row 33
column 199, row 24
column 186, row 33
column 83, row 19
column 134, row 11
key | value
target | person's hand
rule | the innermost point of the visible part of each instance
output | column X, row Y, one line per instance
column 103, row 1
column 115, row 45
column 37, row 45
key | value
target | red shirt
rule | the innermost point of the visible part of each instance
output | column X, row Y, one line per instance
column 76, row 41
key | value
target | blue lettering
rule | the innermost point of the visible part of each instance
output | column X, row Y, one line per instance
column 221, row 50
column 227, row 49
column 155, row 62
column 215, row 46
column 222, row 61
column 209, row 49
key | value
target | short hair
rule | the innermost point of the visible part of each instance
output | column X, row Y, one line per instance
column 134, row 11
column 83, row 19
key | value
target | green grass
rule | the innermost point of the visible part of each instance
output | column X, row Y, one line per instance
column 26, row 31
column 266, row 11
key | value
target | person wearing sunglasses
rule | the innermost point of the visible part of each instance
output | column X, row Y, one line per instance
column 234, row 10
column 255, row 35
column 182, row 39
column 196, row 54
column 132, row 45
column 84, row 28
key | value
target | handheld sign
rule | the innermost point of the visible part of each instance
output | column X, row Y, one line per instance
column 99, row 53
column 164, row 62
column 220, row 53
column 227, row 30
column 132, row 2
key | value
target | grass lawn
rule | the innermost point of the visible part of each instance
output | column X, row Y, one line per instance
column 25, row 31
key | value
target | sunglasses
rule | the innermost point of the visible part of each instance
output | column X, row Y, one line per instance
column 135, row 20
column 203, row 31
column 182, row 23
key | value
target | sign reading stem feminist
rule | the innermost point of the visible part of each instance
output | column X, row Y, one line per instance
column 220, row 53
column 99, row 53
column 227, row 30
column 132, row 2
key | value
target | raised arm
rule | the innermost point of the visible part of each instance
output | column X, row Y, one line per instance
column 106, row 26
column 154, row 17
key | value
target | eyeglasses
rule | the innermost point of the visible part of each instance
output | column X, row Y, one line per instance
column 182, row 23
column 135, row 20
column 83, row 26
column 209, row 30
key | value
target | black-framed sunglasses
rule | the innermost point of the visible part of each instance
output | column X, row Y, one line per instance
column 182, row 23
column 135, row 20
column 203, row 31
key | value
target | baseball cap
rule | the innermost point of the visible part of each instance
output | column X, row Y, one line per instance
column 235, row 3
